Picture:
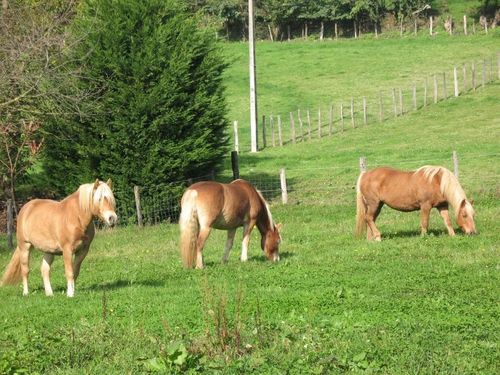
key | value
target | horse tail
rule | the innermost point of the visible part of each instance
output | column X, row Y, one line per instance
column 189, row 227
column 360, row 209
column 12, row 273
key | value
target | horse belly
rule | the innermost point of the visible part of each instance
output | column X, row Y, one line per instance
column 225, row 223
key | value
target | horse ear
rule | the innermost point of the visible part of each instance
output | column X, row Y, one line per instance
column 109, row 183
column 96, row 183
column 471, row 201
column 464, row 202
column 279, row 226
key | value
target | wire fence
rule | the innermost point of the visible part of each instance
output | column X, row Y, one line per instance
column 341, row 115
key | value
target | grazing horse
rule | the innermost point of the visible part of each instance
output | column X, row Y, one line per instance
column 423, row 189
column 210, row 204
column 56, row 228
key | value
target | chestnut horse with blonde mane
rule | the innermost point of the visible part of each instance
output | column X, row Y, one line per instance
column 56, row 228
column 423, row 189
column 210, row 204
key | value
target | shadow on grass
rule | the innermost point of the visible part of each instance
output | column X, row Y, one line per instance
column 121, row 283
column 416, row 233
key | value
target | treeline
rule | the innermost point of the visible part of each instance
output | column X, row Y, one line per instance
column 287, row 19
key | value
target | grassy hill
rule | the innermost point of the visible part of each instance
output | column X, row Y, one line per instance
column 306, row 75
column 333, row 304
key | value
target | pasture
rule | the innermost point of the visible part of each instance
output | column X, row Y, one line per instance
column 333, row 304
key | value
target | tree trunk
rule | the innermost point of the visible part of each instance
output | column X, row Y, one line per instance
column 288, row 32
column 336, row 31
column 355, row 30
column 322, row 30
column 270, row 32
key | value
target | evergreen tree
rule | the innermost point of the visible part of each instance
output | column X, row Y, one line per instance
column 160, row 115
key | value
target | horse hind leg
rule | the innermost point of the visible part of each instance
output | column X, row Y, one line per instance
column 372, row 212
column 24, row 258
column 200, row 244
column 229, row 244
column 45, row 269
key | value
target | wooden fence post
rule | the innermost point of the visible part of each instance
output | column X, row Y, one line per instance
column 381, row 107
column 473, row 69
column 235, row 165
column 445, row 93
column 365, row 115
column 401, row 109
column 10, row 224
column 435, row 89
column 138, row 209
column 414, row 96
column 362, row 164
column 465, row 24
column 309, row 124
column 301, row 125
column 483, row 76
column 264, row 140
column 271, row 122
column 464, row 73
column 455, row 164
column 280, row 135
column 425, row 92
column 394, row 103
column 455, row 80
column 236, row 141
column 330, row 120
column 284, row 192
column 292, row 126
column 342, row 116
column 353, row 122
column 319, row 122
column 498, row 65
column 430, row 25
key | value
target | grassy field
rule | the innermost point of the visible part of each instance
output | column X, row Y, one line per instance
column 304, row 75
column 333, row 304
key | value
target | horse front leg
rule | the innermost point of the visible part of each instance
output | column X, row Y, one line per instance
column 443, row 211
column 425, row 211
column 229, row 244
column 68, row 270
column 45, row 269
column 247, row 229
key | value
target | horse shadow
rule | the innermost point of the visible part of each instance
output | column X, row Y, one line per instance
column 122, row 283
column 415, row 233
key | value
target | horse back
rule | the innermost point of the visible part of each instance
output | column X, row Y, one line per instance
column 223, row 206
column 401, row 190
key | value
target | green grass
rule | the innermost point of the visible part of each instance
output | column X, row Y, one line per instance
column 304, row 75
column 333, row 304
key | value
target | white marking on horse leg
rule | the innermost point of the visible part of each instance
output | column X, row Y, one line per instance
column 446, row 218
column 229, row 244
column 247, row 229
column 68, row 270
column 45, row 269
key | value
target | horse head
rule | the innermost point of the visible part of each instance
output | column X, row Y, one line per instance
column 465, row 217
column 270, row 243
column 104, row 202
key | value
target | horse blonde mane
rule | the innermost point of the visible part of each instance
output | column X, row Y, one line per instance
column 449, row 186
column 89, row 198
column 269, row 216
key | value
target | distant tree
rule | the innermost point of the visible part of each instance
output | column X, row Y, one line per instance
column 160, row 116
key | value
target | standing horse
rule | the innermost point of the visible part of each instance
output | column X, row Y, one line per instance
column 210, row 204
column 56, row 228
column 423, row 189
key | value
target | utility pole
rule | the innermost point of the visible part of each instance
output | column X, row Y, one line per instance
column 253, row 80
